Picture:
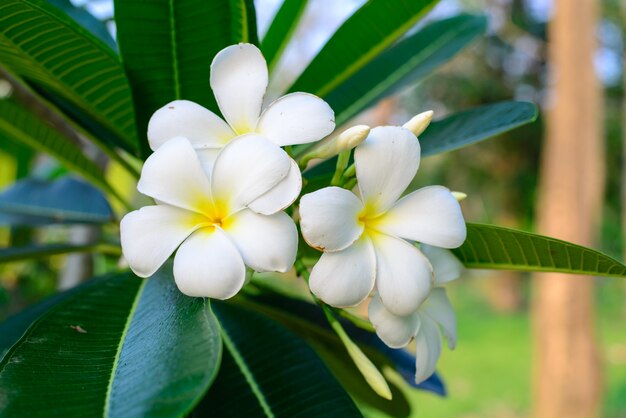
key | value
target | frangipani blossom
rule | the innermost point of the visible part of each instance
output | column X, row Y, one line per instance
column 239, row 78
column 210, row 217
column 423, row 325
column 364, row 238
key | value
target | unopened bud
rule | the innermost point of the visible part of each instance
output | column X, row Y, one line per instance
column 459, row 196
column 419, row 123
column 345, row 141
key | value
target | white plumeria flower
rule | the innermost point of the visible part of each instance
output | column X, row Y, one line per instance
column 210, row 217
column 239, row 79
column 364, row 237
column 397, row 331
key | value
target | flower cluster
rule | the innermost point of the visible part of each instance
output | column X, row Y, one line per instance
column 221, row 188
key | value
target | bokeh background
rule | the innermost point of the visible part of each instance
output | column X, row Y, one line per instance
column 493, row 371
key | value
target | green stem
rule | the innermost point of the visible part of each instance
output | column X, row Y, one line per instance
column 342, row 162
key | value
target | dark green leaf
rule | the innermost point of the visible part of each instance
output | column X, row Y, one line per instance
column 18, row 124
column 494, row 247
column 10, row 254
column 41, row 202
column 281, row 29
column 87, row 20
column 167, row 48
column 43, row 45
column 474, row 125
column 269, row 371
column 407, row 62
column 119, row 347
column 367, row 33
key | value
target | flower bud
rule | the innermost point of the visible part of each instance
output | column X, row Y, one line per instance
column 345, row 141
column 459, row 196
column 419, row 123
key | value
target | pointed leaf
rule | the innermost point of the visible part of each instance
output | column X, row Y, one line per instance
column 474, row 125
column 119, row 347
column 367, row 33
column 269, row 371
column 168, row 46
column 97, row 27
column 494, row 247
column 281, row 29
column 43, row 45
column 403, row 64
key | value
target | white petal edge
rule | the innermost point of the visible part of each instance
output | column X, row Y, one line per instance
column 439, row 309
column 395, row 331
column 207, row 157
column 151, row 234
column 430, row 215
column 445, row 264
column 404, row 276
column 246, row 168
column 427, row 349
column 239, row 80
column 203, row 128
column 208, row 264
column 280, row 196
column 386, row 162
column 266, row 243
column 173, row 175
column 345, row 278
column 329, row 218
column 296, row 118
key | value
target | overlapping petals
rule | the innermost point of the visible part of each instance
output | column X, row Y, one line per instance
column 209, row 216
column 333, row 219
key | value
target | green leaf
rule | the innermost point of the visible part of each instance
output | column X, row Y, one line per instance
column 367, row 33
column 45, row 46
column 168, row 46
column 18, row 124
column 474, row 125
column 410, row 60
column 119, row 347
column 97, row 27
column 281, row 29
column 11, row 254
column 41, row 202
column 494, row 247
column 269, row 371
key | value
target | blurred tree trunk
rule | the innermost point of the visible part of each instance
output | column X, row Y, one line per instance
column 567, row 367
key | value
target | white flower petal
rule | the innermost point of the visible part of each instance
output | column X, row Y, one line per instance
column 239, row 80
column 207, row 157
column 345, row 278
column 395, row 331
column 266, row 243
column 445, row 264
column 200, row 126
column 439, row 309
column 151, row 234
column 280, row 196
column 329, row 218
column 427, row 349
column 247, row 168
column 430, row 215
column 386, row 162
column 208, row 264
column 173, row 175
column 296, row 118
column 404, row 276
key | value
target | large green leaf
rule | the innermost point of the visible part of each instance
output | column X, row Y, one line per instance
column 281, row 29
column 494, row 247
column 118, row 347
column 86, row 20
column 45, row 46
column 269, row 371
column 167, row 47
column 407, row 62
column 367, row 33
column 41, row 202
column 18, row 124
column 474, row 125
column 10, row 254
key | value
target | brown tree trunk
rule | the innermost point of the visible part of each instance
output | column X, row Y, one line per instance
column 567, row 368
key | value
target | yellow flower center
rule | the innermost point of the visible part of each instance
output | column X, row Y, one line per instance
column 369, row 218
column 214, row 214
